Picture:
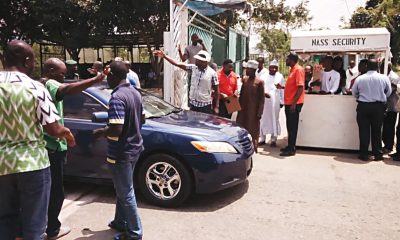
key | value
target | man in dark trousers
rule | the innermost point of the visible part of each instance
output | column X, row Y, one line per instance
column 293, row 99
column 54, row 71
column 371, row 90
column 125, row 143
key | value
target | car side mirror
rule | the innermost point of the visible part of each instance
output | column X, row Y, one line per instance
column 100, row 117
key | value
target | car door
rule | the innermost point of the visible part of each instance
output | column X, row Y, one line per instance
column 88, row 158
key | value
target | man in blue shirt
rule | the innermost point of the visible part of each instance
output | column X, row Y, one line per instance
column 125, row 143
column 371, row 90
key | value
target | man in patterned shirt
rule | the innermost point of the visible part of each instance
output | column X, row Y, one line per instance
column 204, row 89
column 25, row 110
column 54, row 71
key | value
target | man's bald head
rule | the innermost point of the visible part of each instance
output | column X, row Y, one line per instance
column 54, row 68
column 117, row 74
column 98, row 66
column 19, row 55
column 372, row 65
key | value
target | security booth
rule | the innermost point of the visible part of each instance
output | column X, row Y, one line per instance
column 329, row 121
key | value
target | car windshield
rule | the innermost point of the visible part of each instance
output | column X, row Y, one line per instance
column 153, row 106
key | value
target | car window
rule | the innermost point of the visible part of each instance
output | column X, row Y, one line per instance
column 81, row 106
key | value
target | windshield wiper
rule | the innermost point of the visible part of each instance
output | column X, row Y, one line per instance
column 177, row 110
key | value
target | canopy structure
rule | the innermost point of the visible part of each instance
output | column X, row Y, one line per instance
column 346, row 40
column 214, row 7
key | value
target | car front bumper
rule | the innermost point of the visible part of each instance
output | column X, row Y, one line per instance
column 216, row 172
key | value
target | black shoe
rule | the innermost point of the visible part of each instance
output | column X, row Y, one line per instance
column 261, row 143
column 396, row 157
column 378, row 158
column 287, row 153
column 363, row 158
column 394, row 154
column 285, row 149
column 114, row 226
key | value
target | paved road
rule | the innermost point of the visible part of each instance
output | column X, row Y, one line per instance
column 315, row 195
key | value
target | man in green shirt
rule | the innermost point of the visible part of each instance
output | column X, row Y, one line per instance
column 26, row 110
column 54, row 71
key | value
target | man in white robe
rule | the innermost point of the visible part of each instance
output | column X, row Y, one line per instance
column 269, row 123
column 261, row 70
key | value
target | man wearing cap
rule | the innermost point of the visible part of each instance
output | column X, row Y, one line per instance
column 252, row 102
column 293, row 99
column 204, row 89
column 270, row 118
column 72, row 70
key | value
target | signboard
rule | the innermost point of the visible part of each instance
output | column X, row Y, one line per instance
column 347, row 40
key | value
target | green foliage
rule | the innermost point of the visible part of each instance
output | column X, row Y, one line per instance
column 381, row 13
column 274, row 20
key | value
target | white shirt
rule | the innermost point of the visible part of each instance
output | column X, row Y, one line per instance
column 330, row 81
column 350, row 75
column 394, row 78
column 263, row 73
column 372, row 87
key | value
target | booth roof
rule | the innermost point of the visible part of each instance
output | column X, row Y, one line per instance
column 345, row 40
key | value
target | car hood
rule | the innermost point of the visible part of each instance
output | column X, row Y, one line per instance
column 209, row 127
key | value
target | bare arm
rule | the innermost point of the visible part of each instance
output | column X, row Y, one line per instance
column 161, row 54
column 216, row 97
column 74, row 88
column 298, row 94
column 183, row 56
column 56, row 130
column 112, row 131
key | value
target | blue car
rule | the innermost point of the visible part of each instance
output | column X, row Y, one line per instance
column 185, row 152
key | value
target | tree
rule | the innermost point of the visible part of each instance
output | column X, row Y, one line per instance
column 381, row 13
column 275, row 20
column 17, row 22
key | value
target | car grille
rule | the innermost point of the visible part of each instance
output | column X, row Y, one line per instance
column 246, row 144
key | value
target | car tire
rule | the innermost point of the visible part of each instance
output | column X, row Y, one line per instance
column 178, row 180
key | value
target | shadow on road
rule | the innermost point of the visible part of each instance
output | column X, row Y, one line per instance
column 197, row 203
column 207, row 202
column 96, row 235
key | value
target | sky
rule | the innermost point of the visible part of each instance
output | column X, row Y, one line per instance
column 325, row 14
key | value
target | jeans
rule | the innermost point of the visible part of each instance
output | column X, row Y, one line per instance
column 370, row 119
column 25, row 197
column 57, row 161
column 205, row 109
column 292, row 125
column 126, row 212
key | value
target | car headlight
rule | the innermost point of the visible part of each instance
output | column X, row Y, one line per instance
column 214, row 147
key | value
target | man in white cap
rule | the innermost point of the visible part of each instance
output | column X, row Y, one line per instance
column 270, row 118
column 252, row 102
column 204, row 89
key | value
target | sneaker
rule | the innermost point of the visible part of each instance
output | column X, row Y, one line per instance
column 63, row 231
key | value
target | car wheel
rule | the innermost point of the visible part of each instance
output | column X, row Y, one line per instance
column 164, row 181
